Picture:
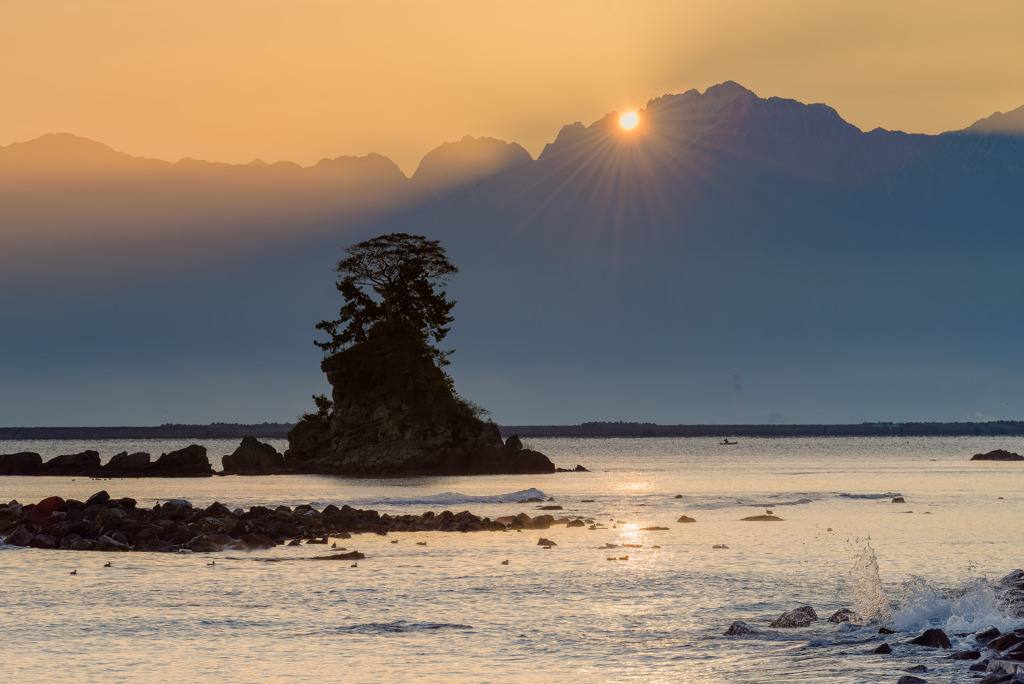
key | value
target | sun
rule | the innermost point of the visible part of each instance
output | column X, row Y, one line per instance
column 629, row 120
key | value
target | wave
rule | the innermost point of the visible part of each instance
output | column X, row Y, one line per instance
column 400, row 626
column 457, row 499
column 887, row 495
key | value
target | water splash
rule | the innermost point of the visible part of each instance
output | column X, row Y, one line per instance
column 868, row 597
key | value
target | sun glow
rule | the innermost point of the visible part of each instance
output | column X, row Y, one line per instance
column 629, row 120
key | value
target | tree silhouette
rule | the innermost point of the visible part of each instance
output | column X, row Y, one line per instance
column 392, row 280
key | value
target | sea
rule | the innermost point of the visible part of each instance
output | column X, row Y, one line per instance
column 618, row 603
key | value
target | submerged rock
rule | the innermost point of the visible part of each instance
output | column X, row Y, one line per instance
column 740, row 628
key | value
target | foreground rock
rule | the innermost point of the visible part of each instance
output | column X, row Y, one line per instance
column 394, row 414
column 103, row 523
column 998, row 455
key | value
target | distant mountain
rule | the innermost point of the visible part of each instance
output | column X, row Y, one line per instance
column 470, row 159
column 1010, row 123
column 833, row 275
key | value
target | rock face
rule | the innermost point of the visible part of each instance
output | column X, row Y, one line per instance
column 998, row 455
column 395, row 415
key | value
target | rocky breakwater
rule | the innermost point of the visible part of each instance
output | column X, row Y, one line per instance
column 394, row 413
column 103, row 523
column 191, row 461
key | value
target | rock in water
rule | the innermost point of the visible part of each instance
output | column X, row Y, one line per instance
column 253, row 457
column 188, row 462
column 998, row 455
column 933, row 638
column 740, row 628
column 798, row 617
column 21, row 463
column 395, row 414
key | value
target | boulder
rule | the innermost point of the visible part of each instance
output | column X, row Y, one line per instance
column 21, row 463
column 50, row 505
column 84, row 463
column 883, row 649
column 686, row 519
column 911, row 679
column 933, row 638
column 188, row 462
column 513, row 444
column 124, row 462
column 253, row 457
column 998, row 455
column 798, row 617
column 842, row 615
column 100, row 497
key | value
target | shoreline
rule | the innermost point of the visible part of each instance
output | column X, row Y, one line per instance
column 1002, row 428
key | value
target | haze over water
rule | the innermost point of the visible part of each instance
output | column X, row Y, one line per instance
column 450, row 611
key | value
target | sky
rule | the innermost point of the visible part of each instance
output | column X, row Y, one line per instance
column 299, row 80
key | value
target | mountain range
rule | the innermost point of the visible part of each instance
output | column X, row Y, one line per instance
column 732, row 259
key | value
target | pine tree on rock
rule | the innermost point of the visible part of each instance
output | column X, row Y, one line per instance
column 392, row 280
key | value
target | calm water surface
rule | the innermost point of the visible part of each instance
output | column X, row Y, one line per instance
column 449, row 611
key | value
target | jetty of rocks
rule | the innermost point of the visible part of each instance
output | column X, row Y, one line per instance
column 103, row 523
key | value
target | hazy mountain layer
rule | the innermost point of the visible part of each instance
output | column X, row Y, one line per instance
column 843, row 275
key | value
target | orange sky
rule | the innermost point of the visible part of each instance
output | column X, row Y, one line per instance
column 231, row 80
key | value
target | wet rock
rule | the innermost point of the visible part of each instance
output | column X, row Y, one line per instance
column 986, row 635
column 911, row 679
column 916, row 669
column 964, row 655
column 764, row 518
column 21, row 463
column 933, row 638
column 740, row 628
column 842, row 615
column 1006, row 641
column 576, row 523
column 898, row 499
column 883, row 649
column 685, row 519
column 998, row 455
column 545, row 542
column 798, row 617
column 253, row 457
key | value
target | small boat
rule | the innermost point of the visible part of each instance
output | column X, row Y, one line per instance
column 726, row 441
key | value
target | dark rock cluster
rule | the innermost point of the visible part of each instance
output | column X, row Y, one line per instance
column 188, row 462
column 1000, row 655
column 103, row 523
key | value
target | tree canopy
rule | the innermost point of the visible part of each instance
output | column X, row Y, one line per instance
column 394, row 280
